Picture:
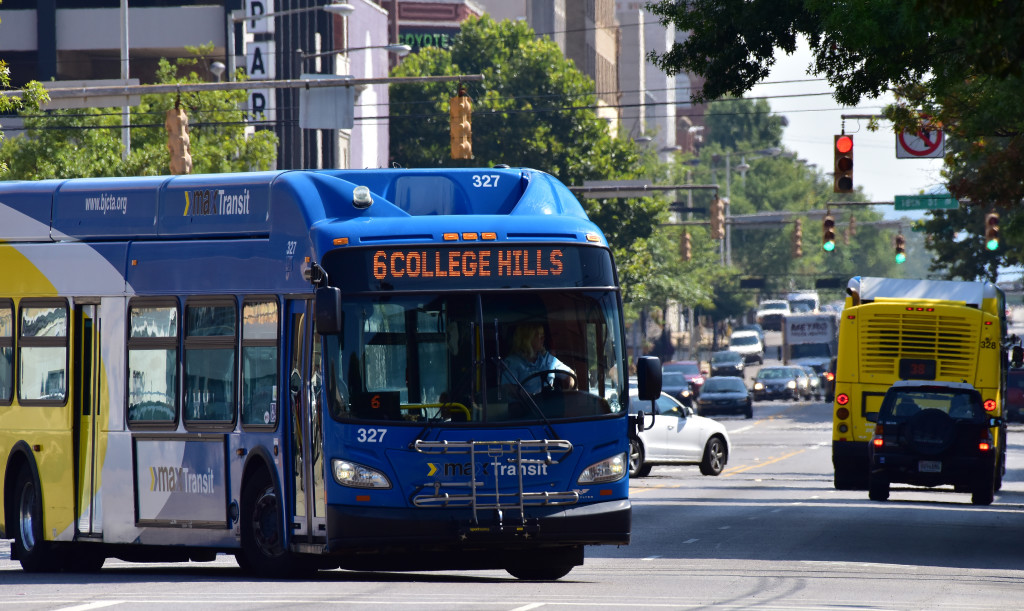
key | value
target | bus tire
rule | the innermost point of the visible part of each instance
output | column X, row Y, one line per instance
column 539, row 573
column 35, row 554
column 264, row 551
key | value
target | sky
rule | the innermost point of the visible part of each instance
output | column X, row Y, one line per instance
column 815, row 119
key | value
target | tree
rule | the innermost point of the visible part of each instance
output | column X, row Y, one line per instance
column 82, row 143
column 533, row 109
column 956, row 65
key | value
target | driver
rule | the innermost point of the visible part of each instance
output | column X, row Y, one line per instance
column 528, row 356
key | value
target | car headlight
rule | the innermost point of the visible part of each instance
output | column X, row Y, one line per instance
column 355, row 475
column 608, row 470
column 791, row 384
column 758, row 386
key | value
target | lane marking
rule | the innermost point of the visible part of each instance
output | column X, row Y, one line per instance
column 762, row 464
column 95, row 605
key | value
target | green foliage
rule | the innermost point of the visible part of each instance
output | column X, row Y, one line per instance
column 958, row 65
column 78, row 143
column 535, row 109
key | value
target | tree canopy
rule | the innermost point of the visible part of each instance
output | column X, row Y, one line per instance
column 957, row 65
column 86, row 142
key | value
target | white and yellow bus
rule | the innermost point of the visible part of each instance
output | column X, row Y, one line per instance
column 902, row 329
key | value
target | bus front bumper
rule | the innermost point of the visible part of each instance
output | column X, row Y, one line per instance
column 389, row 529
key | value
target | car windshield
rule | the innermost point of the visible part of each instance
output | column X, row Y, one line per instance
column 775, row 373
column 902, row 405
column 684, row 368
column 673, row 378
column 724, row 385
column 744, row 340
column 781, row 306
column 725, row 358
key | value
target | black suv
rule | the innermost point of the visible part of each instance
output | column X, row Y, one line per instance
column 931, row 434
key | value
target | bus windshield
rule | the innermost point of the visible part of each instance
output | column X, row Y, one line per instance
column 476, row 357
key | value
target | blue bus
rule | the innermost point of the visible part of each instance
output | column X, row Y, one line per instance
column 310, row 370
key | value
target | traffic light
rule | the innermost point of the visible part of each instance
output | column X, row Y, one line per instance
column 798, row 238
column 717, row 219
column 843, row 176
column 992, row 230
column 461, row 126
column 685, row 248
column 176, row 125
column 828, row 236
column 901, row 248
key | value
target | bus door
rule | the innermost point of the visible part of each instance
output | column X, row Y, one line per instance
column 309, row 523
column 86, row 367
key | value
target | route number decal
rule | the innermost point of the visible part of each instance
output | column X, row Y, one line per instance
column 370, row 435
column 485, row 180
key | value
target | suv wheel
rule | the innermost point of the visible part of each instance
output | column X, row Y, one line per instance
column 984, row 492
column 878, row 488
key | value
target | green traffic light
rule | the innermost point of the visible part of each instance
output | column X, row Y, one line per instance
column 901, row 257
column 829, row 246
column 992, row 244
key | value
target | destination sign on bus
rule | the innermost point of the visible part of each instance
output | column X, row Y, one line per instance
column 469, row 266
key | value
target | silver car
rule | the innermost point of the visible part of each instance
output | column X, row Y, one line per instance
column 678, row 437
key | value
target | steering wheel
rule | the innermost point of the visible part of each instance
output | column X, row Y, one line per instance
column 545, row 372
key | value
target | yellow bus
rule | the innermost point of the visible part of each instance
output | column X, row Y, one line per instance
column 901, row 329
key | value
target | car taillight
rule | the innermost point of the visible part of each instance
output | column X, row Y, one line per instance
column 842, row 398
column 985, row 443
column 877, row 440
column 830, row 376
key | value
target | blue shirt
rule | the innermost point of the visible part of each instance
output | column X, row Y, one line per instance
column 519, row 369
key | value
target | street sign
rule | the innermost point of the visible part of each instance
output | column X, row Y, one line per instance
column 925, row 202
column 922, row 145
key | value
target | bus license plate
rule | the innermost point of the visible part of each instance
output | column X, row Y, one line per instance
column 929, row 466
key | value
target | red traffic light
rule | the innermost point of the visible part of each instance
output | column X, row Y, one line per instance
column 844, row 144
column 843, row 170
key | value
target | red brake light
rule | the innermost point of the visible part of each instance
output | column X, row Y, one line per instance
column 830, row 376
column 877, row 441
column 984, row 446
column 842, row 398
column 990, row 405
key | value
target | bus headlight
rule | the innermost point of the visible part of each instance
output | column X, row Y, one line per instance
column 355, row 475
column 608, row 470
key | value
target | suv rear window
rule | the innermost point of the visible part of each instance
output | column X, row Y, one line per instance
column 903, row 405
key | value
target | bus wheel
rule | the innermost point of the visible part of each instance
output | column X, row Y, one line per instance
column 539, row 573
column 262, row 529
column 35, row 554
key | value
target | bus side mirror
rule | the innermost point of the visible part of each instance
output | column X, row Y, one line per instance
column 327, row 308
column 1017, row 356
column 648, row 378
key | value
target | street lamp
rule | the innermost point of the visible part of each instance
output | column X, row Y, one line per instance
column 397, row 49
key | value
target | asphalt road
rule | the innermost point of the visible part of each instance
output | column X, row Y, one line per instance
column 769, row 533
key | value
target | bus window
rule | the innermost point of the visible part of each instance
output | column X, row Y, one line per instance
column 153, row 363
column 6, row 351
column 259, row 362
column 209, row 363
column 43, row 353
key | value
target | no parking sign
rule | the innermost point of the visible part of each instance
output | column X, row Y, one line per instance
column 922, row 145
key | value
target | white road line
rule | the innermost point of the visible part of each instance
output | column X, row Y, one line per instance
column 95, row 605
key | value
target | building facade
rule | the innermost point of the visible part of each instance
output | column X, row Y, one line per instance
column 273, row 40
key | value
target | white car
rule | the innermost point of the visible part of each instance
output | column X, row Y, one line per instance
column 748, row 344
column 678, row 436
column 770, row 313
